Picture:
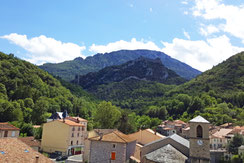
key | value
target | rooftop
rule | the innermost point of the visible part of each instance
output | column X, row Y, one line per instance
column 221, row 133
column 14, row 150
column 199, row 119
column 76, row 118
column 30, row 141
column 115, row 136
column 179, row 122
column 70, row 123
column 146, row 136
column 166, row 154
column 7, row 126
column 176, row 138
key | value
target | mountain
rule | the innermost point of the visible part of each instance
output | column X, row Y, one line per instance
column 140, row 69
column 224, row 83
column 226, row 78
column 68, row 69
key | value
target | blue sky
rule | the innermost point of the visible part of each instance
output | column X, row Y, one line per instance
column 201, row 33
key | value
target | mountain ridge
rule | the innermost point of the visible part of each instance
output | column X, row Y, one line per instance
column 140, row 69
column 68, row 69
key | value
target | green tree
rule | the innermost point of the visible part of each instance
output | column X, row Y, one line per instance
column 236, row 142
column 107, row 115
column 41, row 107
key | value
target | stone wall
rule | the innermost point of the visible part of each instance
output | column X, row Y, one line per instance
column 101, row 152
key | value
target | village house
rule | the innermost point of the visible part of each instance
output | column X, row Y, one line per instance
column 91, row 134
column 13, row 150
column 168, row 128
column 8, row 130
column 143, row 137
column 219, row 139
column 64, row 136
column 114, row 147
column 32, row 142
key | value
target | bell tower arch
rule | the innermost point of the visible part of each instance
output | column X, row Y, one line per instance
column 199, row 140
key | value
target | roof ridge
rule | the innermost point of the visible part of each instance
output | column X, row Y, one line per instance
column 119, row 135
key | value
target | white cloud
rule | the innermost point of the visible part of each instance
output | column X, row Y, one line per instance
column 131, row 5
column 217, row 10
column 185, row 12
column 186, row 34
column 184, row 2
column 151, row 10
column 207, row 30
column 201, row 55
column 119, row 45
column 43, row 49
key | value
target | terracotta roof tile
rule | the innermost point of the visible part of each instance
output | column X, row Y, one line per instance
column 145, row 136
column 30, row 141
column 222, row 133
column 7, row 126
column 15, row 151
column 115, row 136
column 75, row 119
column 179, row 122
column 70, row 123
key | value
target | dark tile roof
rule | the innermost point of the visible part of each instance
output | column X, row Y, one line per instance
column 166, row 154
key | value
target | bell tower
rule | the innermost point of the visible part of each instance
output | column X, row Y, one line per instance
column 199, row 140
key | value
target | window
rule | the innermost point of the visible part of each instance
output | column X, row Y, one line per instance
column 72, row 135
column 13, row 134
column 114, row 145
column 82, row 128
column 73, row 129
column 199, row 131
column 6, row 134
column 113, row 155
column 77, row 142
column 78, row 134
column 79, row 129
column 71, row 142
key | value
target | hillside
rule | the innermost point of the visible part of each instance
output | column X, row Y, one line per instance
column 68, row 69
column 30, row 94
column 227, row 78
column 140, row 69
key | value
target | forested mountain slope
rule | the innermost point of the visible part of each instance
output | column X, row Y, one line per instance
column 139, row 69
column 226, row 79
column 30, row 94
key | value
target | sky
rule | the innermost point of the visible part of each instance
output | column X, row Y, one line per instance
column 201, row 33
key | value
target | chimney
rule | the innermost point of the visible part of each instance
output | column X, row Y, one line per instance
column 101, row 136
column 37, row 158
column 155, row 132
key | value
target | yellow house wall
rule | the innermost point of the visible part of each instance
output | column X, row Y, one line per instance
column 55, row 137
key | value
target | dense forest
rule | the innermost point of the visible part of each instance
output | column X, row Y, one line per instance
column 29, row 95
